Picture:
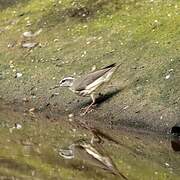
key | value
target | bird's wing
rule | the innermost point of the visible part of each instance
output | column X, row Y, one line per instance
column 110, row 66
column 82, row 82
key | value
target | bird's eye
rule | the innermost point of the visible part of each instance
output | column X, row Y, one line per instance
column 63, row 81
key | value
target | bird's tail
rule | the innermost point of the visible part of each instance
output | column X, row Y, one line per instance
column 110, row 66
column 114, row 65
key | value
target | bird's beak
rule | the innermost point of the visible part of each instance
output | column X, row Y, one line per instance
column 56, row 86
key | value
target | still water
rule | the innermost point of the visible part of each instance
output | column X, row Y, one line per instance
column 30, row 148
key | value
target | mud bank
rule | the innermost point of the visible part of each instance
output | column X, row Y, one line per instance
column 143, row 36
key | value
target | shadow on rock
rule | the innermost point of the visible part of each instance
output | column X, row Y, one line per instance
column 175, row 139
column 101, row 98
column 175, row 144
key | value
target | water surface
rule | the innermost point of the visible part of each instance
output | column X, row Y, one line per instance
column 30, row 144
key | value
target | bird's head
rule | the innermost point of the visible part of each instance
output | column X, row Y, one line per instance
column 66, row 82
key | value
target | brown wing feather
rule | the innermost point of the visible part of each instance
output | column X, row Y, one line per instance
column 110, row 66
column 82, row 82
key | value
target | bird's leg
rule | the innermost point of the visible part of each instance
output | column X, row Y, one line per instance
column 92, row 139
column 93, row 101
column 96, row 139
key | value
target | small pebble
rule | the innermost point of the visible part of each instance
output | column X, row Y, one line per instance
column 18, row 75
column 167, row 164
column 125, row 107
column 32, row 110
column 29, row 45
column 93, row 68
column 18, row 126
column 28, row 34
column 25, row 99
column 71, row 115
column 167, row 76
column 74, row 130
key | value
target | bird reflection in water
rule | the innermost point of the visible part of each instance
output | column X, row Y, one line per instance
column 91, row 152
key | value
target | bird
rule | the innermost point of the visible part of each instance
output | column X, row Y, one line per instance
column 87, row 84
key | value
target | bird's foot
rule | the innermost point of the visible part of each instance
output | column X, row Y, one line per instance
column 96, row 139
column 86, row 112
column 88, row 109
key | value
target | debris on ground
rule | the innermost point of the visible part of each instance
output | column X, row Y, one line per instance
column 70, row 117
column 93, row 68
column 18, row 75
column 31, row 110
column 29, row 34
column 167, row 76
column 29, row 45
column 16, row 126
column 125, row 107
